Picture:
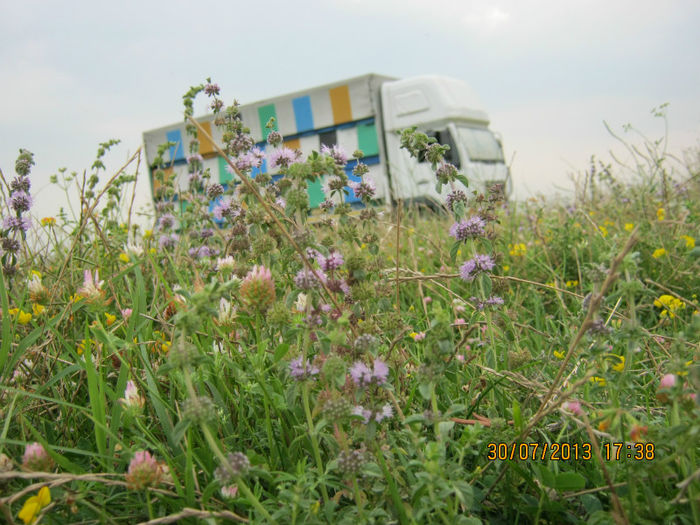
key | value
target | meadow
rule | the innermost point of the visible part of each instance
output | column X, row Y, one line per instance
column 485, row 361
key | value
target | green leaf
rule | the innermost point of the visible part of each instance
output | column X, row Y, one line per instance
column 280, row 352
column 486, row 284
column 454, row 250
column 546, row 477
column 517, row 417
column 695, row 252
column 424, row 389
column 569, row 481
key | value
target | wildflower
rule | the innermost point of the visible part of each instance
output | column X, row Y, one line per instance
column 365, row 342
column 306, row 280
column 148, row 234
column 301, row 369
column 459, row 322
column 468, row 228
column 48, row 221
column 110, row 318
column 427, row 299
column 473, row 266
column 84, row 344
column 506, row 267
column 620, row 365
column 337, row 153
column 637, row 432
column 362, row 375
column 144, row 471
column 236, row 465
column 417, row 336
column 517, row 250
column 168, row 241
column 629, row 226
column 33, row 505
column 123, row 257
column 670, row 305
column 229, row 491
column 300, row 304
column 603, row 231
column 446, row 172
column 599, row 380
column 226, row 264
column 332, row 262
column 364, row 190
column 283, row 157
column 23, row 317
column 126, row 313
column 227, row 313
column 211, row 89
column 689, row 241
column 661, row 214
column 92, row 287
column 351, row 462
column 667, row 382
column 559, row 354
column 258, row 289
column 132, row 399
column 36, row 458
column 574, row 407
column 454, row 197
column 660, row 252
column 38, row 309
column 20, row 201
column 17, row 224
column 198, row 409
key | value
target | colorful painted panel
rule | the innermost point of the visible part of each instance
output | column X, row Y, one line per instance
column 176, row 152
column 340, row 103
column 302, row 113
column 265, row 113
column 224, row 175
column 206, row 148
column 367, row 139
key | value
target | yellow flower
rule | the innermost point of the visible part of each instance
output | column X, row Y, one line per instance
column 411, row 308
column 659, row 252
column 604, row 425
column 620, row 365
column 33, row 505
column 23, row 317
column 600, row 380
column 48, row 221
column 571, row 284
column 551, row 284
column 669, row 304
column 506, row 267
column 608, row 222
column 75, row 298
column 123, row 257
column 559, row 354
column 459, row 252
column 110, row 318
column 591, row 213
column 413, row 335
column 411, row 231
column 603, row 231
column 38, row 309
column 517, row 250
column 152, row 251
column 629, row 226
column 147, row 234
column 661, row 214
column 363, row 246
column 689, row 241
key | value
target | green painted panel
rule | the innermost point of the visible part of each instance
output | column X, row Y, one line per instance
column 265, row 113
column 316, row 195
column 224, row 176
column 367, row 139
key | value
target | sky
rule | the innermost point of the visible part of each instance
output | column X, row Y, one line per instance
column 548, row 72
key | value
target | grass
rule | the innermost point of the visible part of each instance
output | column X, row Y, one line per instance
column 262, row 397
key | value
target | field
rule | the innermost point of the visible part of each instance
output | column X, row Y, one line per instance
column 487, row 362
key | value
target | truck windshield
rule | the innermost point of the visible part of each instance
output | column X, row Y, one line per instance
column 480, row 144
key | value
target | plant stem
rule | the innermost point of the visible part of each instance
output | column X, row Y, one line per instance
column 314, row 442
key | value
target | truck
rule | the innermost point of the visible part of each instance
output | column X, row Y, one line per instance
column 366, row 113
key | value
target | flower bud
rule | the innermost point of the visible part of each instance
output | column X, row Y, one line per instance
column 144, row 471
column 36, row 458
column 258, row 289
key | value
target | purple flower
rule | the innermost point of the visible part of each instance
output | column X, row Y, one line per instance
column 20, row 201
column 332, row 262
column 195, row 158
column 17, row 224
column 363, row 376
column 306, row 280
column 359, row 410
column 454, row 197
column 168, row 241
column 20, row 184
column 378, row 415
column 198, row 253
column 211, row 89
column 468, row 228
column 339, row 156
column 479, row 263
column 363, row 190
column 494, row 300
column 301, row 369
column 385, row 413
column 166, row 222
column 283, row 157
column 360, row 373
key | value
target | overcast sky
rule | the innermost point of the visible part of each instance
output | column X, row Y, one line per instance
column 548, row 72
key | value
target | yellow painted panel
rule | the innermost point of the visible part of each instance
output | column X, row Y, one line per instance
column 206, row 148
column 293, row 144
column 156, row 182
column 340, row 103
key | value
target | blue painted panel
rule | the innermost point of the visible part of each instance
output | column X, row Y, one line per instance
column 176, row 152
column 263, row 166
column 302, row 113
